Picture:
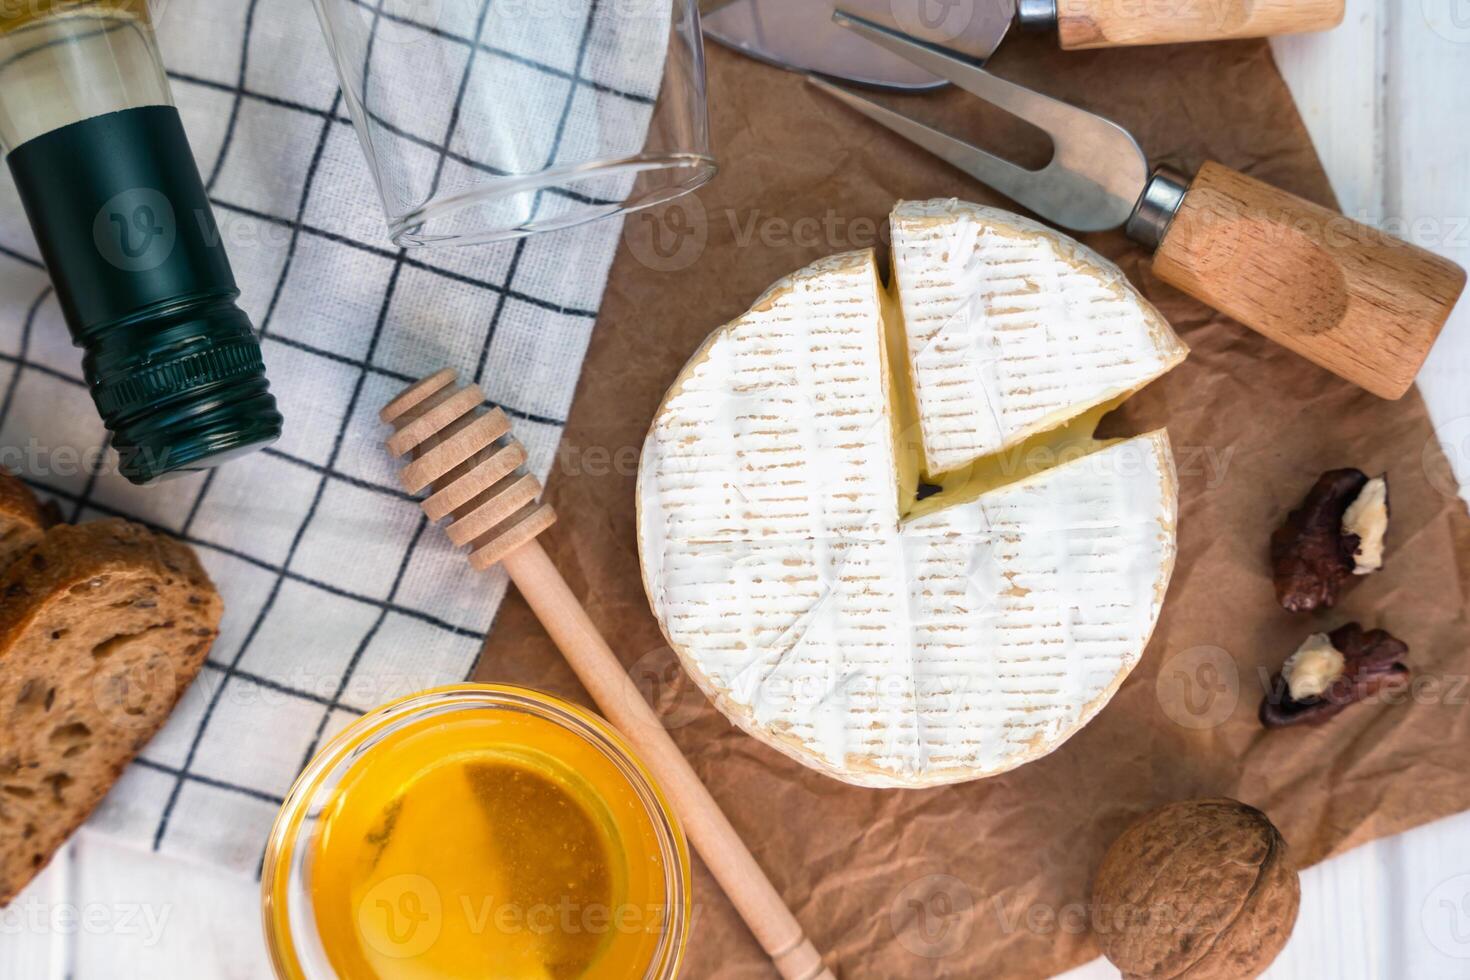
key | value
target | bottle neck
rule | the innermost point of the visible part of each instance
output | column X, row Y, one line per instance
column 62, row 61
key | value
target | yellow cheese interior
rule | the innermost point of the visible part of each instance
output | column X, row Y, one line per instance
column 1067, row 439
column 903, row 410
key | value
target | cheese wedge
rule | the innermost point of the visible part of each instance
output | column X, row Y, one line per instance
column 1013, row 328
column 826, row 611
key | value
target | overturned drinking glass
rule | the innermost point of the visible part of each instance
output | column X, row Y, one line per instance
column 484, row 120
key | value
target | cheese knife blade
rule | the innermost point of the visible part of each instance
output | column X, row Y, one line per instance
column 800, row 34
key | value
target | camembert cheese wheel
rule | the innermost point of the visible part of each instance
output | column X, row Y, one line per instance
column 882, row 548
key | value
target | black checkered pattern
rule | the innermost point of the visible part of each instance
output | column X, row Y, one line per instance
column 338, row 596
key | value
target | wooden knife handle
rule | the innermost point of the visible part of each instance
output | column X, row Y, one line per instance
column 1355, row 300
column 1118, row 23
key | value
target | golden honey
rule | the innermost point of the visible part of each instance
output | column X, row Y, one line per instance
column 476, row 832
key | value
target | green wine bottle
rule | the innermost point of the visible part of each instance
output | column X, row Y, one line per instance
column 120, row 214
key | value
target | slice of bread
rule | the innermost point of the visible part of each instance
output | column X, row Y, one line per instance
column 22, row 521
column 102, row 628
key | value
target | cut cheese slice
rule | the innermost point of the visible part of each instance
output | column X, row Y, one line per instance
column 1013, row 328
column 884, row 643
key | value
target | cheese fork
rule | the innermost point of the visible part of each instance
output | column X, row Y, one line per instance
column 1349, row 297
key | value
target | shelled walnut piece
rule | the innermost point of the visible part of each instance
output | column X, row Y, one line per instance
column 1336, row 533
column 1330, row 671
column 1201, row 889
column 102, row 628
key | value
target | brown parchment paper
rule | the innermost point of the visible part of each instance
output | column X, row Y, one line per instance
column 989, row 879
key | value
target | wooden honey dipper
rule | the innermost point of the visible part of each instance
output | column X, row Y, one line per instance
column 472, row 464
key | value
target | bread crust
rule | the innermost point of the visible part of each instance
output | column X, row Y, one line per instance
column 103, row 626
column 22, row 519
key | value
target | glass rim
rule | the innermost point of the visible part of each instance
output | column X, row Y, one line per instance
column 286, row 851
column 702, row 167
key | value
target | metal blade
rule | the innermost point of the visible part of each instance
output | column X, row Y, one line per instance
column 1097, row 171
column 801, row 35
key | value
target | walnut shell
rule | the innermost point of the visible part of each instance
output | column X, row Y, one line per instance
column 1197, row 890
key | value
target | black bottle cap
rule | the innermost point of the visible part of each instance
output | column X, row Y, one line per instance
column 182, row 392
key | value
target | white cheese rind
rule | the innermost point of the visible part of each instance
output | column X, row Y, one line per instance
column 769, row 430
column 1013, row 328
column 955, row 646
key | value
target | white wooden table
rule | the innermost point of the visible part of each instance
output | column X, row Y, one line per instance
column 1387, row 99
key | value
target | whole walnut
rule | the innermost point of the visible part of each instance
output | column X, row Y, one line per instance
column 1198, row 890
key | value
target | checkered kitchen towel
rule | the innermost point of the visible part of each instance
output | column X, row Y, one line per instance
column 338, row 597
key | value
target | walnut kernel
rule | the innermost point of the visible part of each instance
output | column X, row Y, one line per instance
column 1311, row 687
column 1367, row 520
column 1336, row 533
column 1313, row 668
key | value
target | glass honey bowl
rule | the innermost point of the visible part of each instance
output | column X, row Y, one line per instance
column 476, row 831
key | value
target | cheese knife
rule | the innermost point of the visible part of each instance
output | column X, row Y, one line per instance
column 1349, row 297
column 800, row 34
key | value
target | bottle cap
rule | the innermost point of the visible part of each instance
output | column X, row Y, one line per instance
column 182, row 393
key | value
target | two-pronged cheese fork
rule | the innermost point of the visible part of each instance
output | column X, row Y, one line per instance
column 1355, row 300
